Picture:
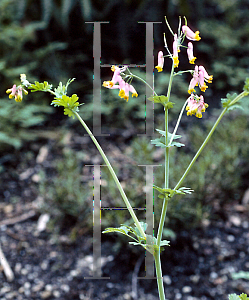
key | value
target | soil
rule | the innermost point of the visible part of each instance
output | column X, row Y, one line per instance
column 199, row 264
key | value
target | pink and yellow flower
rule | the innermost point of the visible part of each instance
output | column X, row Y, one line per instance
column 175, row 51
column 194, row 81
column 16, row 92
column 190, row 53
column 208, row 78
column 115, row 78
column 117, row 82
column 193, row 36
column 196, row 106
column 160, row 62
column 200, row 77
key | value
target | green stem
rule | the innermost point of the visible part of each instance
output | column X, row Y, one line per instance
column 166, row 167
column 139, row 78
column 127, row 203
column 166, row 200
column 159, row 275
column 200, row 149
column 240, row 96
column 177, row 123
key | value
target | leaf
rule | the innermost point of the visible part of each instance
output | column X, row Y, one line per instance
column 185, row 190
column 62, row 89
column 243, row 296
column 233, row 297
column 164, row 243
column 159, row 99
column 38, row 86
column 169, row 193
column 70, row 104
column 118, row 230
column 169, row 105
column 246, row 86
column 226, row 102
column 160, row 142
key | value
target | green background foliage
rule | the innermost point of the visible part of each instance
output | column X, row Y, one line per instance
column 50, row 40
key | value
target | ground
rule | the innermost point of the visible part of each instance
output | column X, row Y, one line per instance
column 199, row 264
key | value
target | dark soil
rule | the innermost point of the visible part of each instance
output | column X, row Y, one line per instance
column 50, row 265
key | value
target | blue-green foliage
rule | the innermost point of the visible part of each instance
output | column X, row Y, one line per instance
column 238, row 297
column 17, row 119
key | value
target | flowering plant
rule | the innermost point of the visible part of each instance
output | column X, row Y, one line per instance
column 195, row 106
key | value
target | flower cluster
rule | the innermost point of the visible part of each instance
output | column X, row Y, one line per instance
column 200, row 77
column 196, row 106
column 177, row 43
column 118, row 82
column 16, row 92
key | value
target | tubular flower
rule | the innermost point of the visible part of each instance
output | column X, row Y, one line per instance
column 199, row 78
column 193, row 36
column 196, row 106
column 190, row 53
column 202, row 82
column 194, row 81
column 16, row 92
column 159, row 67
column 175, row 51
column 133, row 91
column 207, row 77
column 115, row 78
column 124, row 87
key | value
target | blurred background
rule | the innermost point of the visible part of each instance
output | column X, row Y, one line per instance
column 50, row 40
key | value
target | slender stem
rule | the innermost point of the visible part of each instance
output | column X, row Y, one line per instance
column 127, row 203
column 139, row 78
column 166, row 167
column 240, row 96
column 159, row 275
column 166, row 200
column 200, row 149
column 177, row 123
column 182, row 72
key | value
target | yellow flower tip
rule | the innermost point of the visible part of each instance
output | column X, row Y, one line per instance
column 25, row 92
column 108, row 84
column 18, row 99
column 187, row 108
column 191, row 91
column 192, row 61
column 176, row 61
column 197, row 37
column 134, row 94
column 126, row 98
column 113, row 68
column 159, row 69
column 206, row 105
column 8, row 91
column 203, row 88
column 198, row 115
column 210, row 79
column 11, row 96
column 121, row 93
column 189, row 113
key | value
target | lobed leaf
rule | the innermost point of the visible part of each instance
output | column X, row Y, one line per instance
column 226, row 102
column 38, row 86
column 246, row 86
column 160, row 142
